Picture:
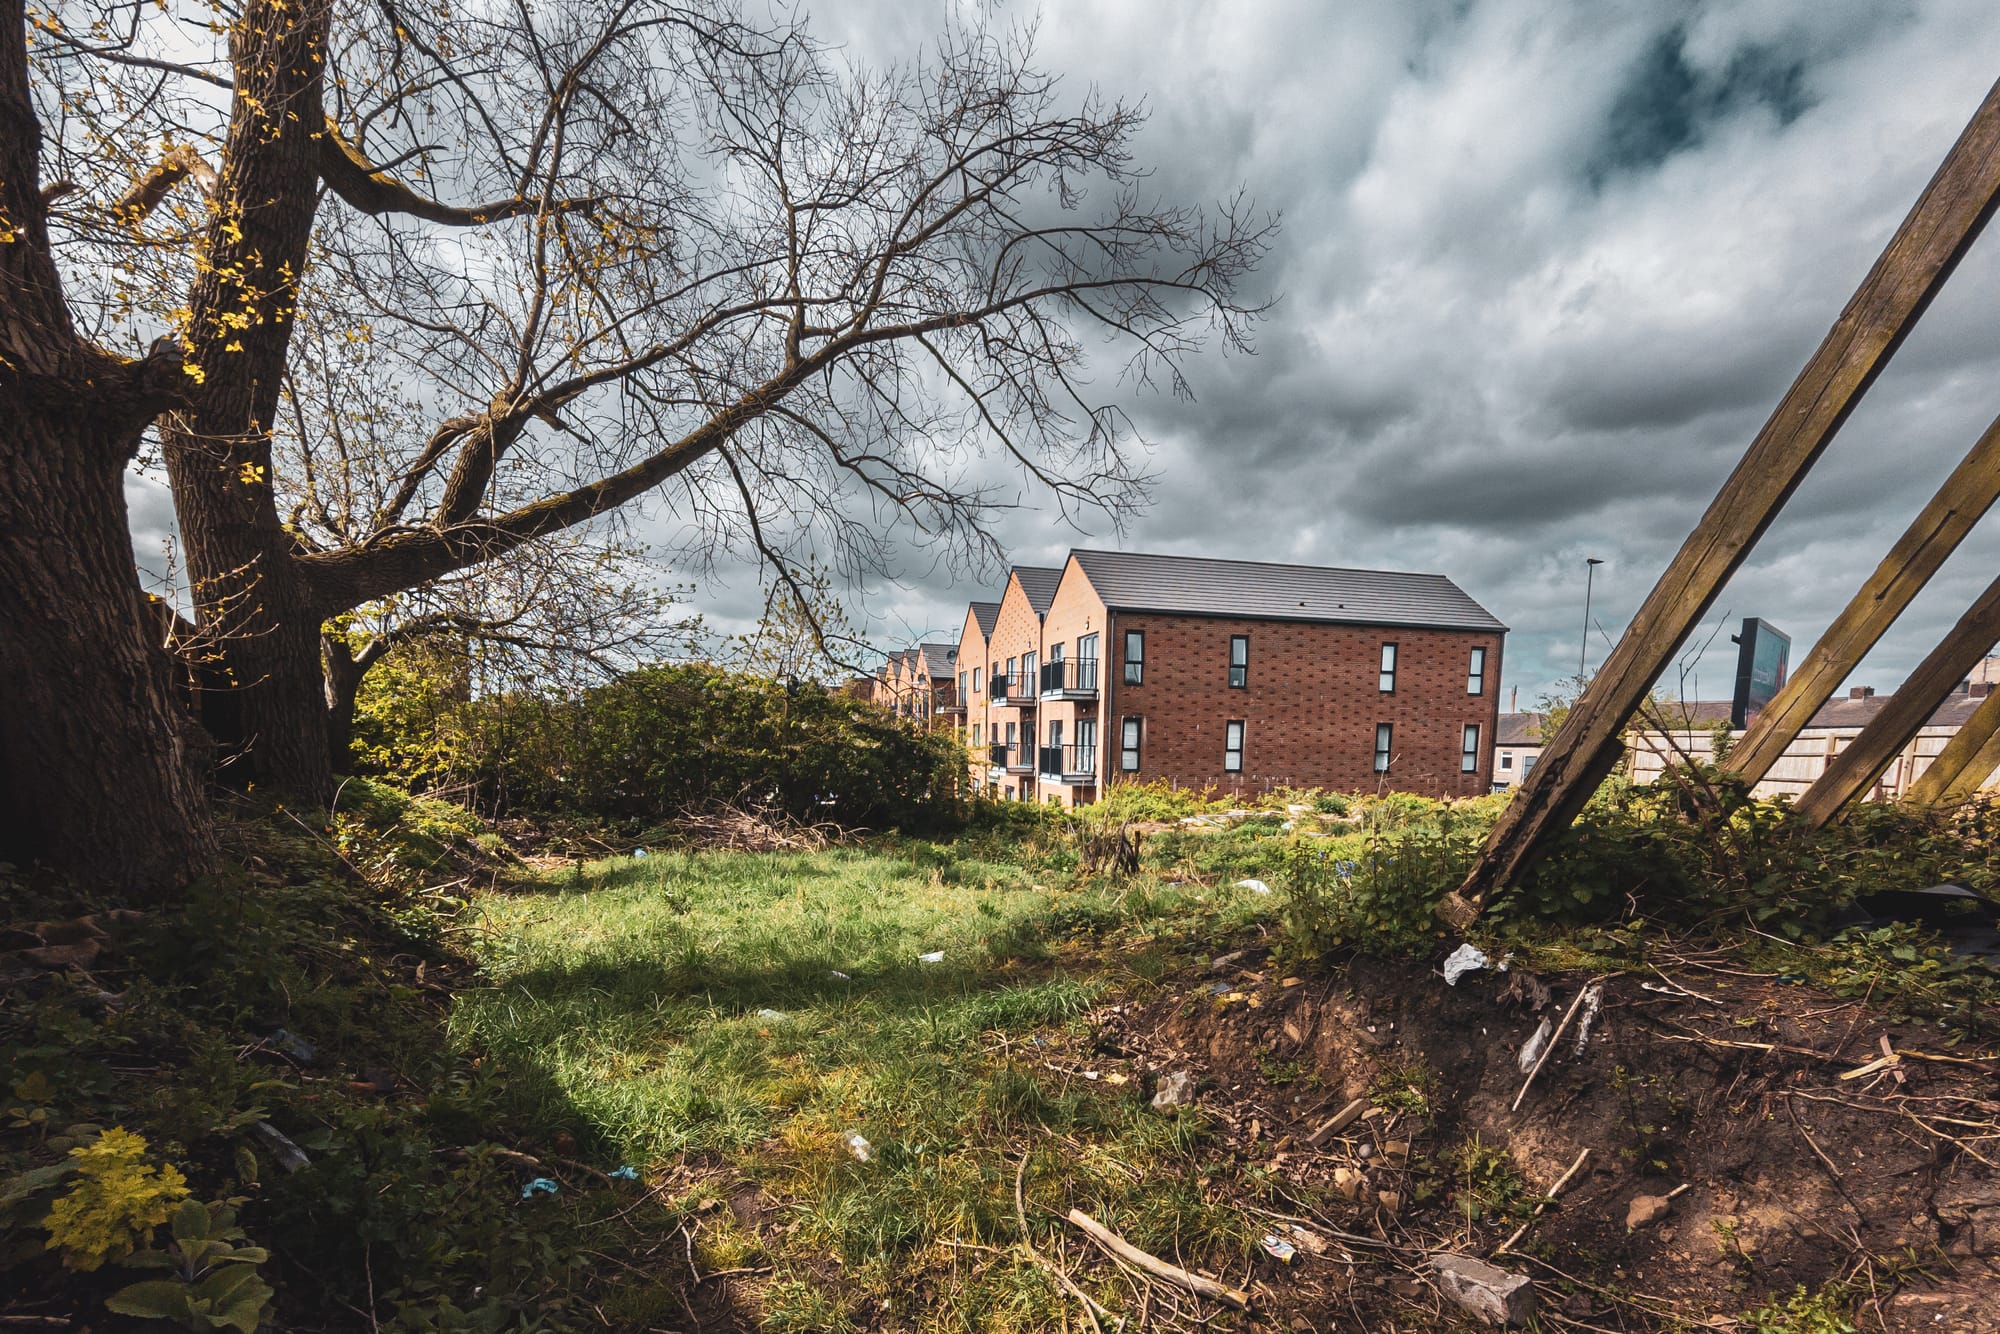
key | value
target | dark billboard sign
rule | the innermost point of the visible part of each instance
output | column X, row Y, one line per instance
column 1763, row 657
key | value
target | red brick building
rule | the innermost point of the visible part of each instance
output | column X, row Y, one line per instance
column 1237, row 675
column 921, row 684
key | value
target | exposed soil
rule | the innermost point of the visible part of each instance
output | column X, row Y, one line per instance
column 1781, row 1172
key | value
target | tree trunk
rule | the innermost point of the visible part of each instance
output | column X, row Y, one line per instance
column 99, row 777
column 250, row 594
column 100, row 772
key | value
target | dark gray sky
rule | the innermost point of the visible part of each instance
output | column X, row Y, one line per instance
column 1546, row 266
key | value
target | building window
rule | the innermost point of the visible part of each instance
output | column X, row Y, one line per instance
column 975, row 733
column 975, row 680
column 1010, row 669
column 961, row 688
column 1475, row 676
column 1128, row 746
column 1385, row 737
column 1029, row 681
column 1232, row 747
column 1239, row 662
column 1468, row 750
column 1010, row 736
column 1527, row 763
column 1507, row 760
column 1135, row 657
column 1386, row 683
column 1086, row 662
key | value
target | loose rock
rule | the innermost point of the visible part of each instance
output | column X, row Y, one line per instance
column 1646, row 1210
column 1494, row 1295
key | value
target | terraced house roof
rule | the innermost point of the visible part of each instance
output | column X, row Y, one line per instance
column 940, row 660
column 1201, row 586
column 985, row 614
column 1039, row 584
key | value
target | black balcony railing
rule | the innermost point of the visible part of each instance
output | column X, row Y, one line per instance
column 997, row 689
column 1071, row 762
column 1073, row 678
column 996, row 753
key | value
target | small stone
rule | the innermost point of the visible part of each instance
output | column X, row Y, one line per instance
column 1645, row 1210
column 1494, row 1295
column 1174, row 1090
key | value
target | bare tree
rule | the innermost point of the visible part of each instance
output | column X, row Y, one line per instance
column 600, row 251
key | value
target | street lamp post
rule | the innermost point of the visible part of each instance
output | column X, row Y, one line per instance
column 1590, row 564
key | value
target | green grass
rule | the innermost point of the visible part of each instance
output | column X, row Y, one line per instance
column 635, row 996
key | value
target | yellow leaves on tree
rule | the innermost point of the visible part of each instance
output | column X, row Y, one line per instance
column 117, row 1201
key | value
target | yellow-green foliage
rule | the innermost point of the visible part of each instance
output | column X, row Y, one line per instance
column 116, row 1202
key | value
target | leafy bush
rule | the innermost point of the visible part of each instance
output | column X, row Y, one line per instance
column 1133, row 802
column 666, row 739
column 114, row 1204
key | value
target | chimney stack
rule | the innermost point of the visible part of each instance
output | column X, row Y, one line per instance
column 1861, row 692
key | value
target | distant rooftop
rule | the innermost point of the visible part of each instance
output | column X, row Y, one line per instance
column 985, row 614
column 940, row 660
column 1199, row 585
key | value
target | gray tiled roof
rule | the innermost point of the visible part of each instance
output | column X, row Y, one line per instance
column 1198, row 585
column 1520, row 729
column 986, row 614
column 1039, row 584
column 940, row 660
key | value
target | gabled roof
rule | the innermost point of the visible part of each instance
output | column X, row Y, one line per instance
column 1039, row 583
column 940, row 659
column 1198, row 585
column 985, row 614
column 1520, row 729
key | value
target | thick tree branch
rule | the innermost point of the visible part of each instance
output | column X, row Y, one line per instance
column 369, row 190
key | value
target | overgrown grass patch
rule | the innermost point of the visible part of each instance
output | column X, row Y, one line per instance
column 757, row 1008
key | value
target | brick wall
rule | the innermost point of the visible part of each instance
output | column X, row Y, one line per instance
column 1310, row 709
column 1017, row 630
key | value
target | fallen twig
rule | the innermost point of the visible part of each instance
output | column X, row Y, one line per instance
column 1154, row 1265
column 1544, row 1203
column 1091, row 1309
column 1340, row 1121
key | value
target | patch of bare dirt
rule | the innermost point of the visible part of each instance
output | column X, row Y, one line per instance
column 1773, row 1136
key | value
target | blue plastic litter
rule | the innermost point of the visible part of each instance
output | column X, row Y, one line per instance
column 539, row 1186
column 638, row 854
column 625, row 1174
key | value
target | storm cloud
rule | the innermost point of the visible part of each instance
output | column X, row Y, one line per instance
column 1545, row 270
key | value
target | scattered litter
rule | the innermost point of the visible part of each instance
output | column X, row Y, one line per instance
column 1531, row 1050
column 639, row 854
column 772, row 1014
column 289, row 1155
column 1222, row 961
column 1593, row 1000
column 1308, row 1240
column 539, row 1186
column 1115, row 1078
column 838, row 976
column 1220, row 989
column 1494, row 1295
column 859, row 1147
column 1278, row 1248
column 1258, row 885
column 292, row 1045
column 625, row 1173
column 1174, row 1090
column 1467, row 958
column 935, row 956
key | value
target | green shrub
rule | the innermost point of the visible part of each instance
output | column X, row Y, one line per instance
column 662, row 740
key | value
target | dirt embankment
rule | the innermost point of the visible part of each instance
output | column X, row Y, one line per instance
column 1733, row 1108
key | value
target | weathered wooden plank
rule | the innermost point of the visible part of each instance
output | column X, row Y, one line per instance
column 1958, row 754
column 1928, row 245
column 1973, row 777
column 1965, row 496
column 1851, row 771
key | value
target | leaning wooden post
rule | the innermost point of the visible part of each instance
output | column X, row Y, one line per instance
column 1965, row 496
column 1974, row 775
column 1906, row 712
column 1933, row 238
column 1959, row 754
